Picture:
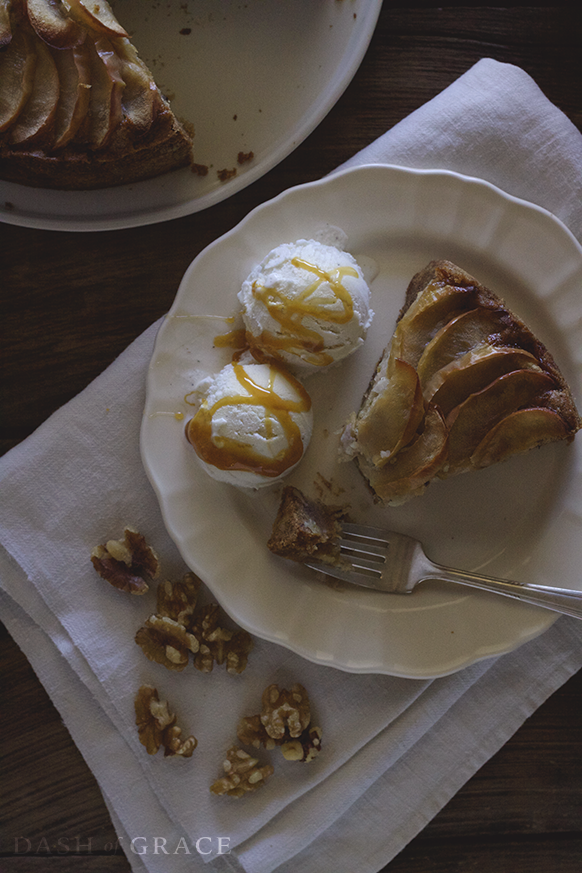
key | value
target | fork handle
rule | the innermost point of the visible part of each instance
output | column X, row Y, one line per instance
column 564, row 600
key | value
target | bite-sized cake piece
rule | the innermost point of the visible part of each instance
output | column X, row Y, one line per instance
column 307, row 305
column 463, row 384
column 253, row 425
column 79, row 109
column 306, row 529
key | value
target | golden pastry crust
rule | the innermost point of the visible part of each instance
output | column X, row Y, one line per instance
column 166, row 147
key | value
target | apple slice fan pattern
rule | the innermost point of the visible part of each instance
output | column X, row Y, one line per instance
column 462, row 385
column 78, row 108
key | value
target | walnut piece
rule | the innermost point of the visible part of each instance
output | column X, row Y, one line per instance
column 285, row 721
column 212, row 638
column 181, row 627
column 177, row 600
column 243, row 773
column 157, row 725
column 219, row 644
column 174, row 745
column 166, row 642
column 126, row 564
column 237, row 652
column 285, row 713
column 305, row 748
column 251, row 732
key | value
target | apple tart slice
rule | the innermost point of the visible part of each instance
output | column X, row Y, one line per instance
column 463, row 384
column 79, row 109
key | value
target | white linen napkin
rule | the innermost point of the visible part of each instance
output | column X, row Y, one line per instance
column 394, row 750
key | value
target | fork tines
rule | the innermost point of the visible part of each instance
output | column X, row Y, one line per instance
column 364, row 547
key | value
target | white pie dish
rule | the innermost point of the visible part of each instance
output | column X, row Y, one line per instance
column 250, row 77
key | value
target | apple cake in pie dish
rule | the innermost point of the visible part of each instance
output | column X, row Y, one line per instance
column 462, row 385
column 79, row 109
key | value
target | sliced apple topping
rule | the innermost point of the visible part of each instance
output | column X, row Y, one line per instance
column 79, row 110
column 5, row 24
column 519, row 432
column 472, row 420
column 425, row 317
column 463, row 333
column 396, row 408
column 452, row 384
column 51, row 22
column 96, row 15
column 141, row 98
column 74, row 71
column 105, row 112
column 17, row 66
column 89, row 81
column 35, row 122
column 414, row 466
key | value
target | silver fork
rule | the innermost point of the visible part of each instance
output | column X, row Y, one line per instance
column 396, row 563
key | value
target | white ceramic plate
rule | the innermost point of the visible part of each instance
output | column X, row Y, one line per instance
column 256, row 77
column 521, row 519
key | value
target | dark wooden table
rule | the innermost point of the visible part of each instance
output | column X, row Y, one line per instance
column 72, row 302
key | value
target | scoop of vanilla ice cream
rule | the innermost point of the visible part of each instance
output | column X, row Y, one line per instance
column 253, row 425
column 306, row 304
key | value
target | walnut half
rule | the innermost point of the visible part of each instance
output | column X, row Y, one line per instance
column 126, row 564
column 157, row 725
column 166, row 642
column 219, row 644
column 285, row 721
column 177, row 600
column 243, row 773
column 182, row 627
column 285, row 713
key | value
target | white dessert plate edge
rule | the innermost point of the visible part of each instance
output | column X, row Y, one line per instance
column 518, row 520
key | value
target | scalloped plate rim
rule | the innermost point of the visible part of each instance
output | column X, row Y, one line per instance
column 308, row 647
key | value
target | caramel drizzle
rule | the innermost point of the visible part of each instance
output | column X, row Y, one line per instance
column 297, row 338
column 235, row 339
column 229, row 454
